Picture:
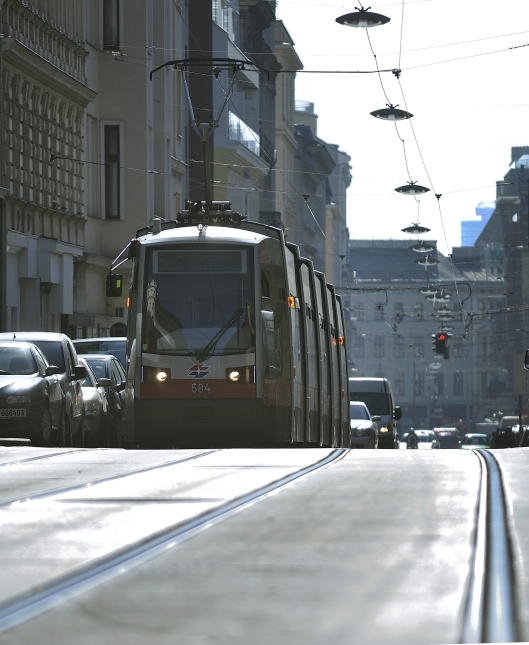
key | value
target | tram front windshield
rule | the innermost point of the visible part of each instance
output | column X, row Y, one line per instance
column 199, row 301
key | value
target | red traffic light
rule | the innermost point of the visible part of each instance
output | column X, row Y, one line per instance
column 442, row 337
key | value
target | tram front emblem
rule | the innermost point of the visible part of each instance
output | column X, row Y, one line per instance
column 199, row 371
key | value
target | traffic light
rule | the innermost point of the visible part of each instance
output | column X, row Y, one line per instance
column 440, row 343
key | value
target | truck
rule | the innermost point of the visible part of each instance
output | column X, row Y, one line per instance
column 377, row 394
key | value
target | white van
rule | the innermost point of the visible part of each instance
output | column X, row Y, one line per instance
column 377, row 394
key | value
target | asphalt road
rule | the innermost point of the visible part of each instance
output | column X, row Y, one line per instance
column 374, row 548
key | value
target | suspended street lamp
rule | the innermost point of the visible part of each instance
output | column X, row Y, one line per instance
column 422, row 247
column 443, row 310
column 362, row 18
column 427, row 261
column 416, row 229
column 427, row 291
column 434, row 296
column 391, row 113
column 412, row 188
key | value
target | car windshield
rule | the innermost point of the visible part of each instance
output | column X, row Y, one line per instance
column 358, row 411
column 424, row 437
column 377, row 402
column 115, row 347
column 90, row 379
column 98, row 366
column 199, row 302
column 52, row 350
column 16, row 360
column 447, row 439
column 478, row 440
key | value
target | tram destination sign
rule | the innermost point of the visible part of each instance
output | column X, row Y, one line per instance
column 193, row 262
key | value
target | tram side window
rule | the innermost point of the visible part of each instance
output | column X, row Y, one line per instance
column 273, row 309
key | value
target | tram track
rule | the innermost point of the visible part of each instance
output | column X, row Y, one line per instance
column 490, row 614
column 107, row 478
column 21, row 607
column 38, row 457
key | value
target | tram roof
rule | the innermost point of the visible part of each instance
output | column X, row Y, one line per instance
column 208, row 234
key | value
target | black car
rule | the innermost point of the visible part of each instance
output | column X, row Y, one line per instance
column 115, row 345
column 31, row 397
column 59, row 351
column 108, row 367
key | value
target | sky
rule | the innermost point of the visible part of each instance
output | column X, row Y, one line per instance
column 467, row 89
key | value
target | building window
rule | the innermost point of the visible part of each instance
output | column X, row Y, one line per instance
column 484, row 382
column 458, row 383
column 111, row 24
column 419, row 385
column 399, row 308
column 418, row 310
column 457, row 349
column 359, row 310
column 439, row 384
column 112, row 172
column 399, row 384
column 358, row 347
column 379, row 346
column 379, row 311
column 418, row 345
column 398, row 348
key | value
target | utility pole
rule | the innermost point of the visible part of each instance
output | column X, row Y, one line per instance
column 3, row 217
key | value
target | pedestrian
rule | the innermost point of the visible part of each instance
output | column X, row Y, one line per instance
column 510, row 439
column 412, row 441
column 493, row 439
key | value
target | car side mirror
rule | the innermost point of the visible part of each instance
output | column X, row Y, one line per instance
column 114, row 285
column 376, row 418
column 80, row 372
column 121, row 386
column 398, row 413
column 104, row 382
column 52, row 369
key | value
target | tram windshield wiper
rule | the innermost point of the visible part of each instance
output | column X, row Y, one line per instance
column 208, row 349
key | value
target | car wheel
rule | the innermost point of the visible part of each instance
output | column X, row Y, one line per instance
column 45, row 429
column 78, row 439
column 103, row 435
column 117, row 434
column 66, row 429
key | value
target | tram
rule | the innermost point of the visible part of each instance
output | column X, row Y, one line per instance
column 234, row 340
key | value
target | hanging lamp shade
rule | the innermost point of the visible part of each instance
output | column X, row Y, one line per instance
column 434, row 296
column 362, row 18
column 427, row 261
column 391, row 113
column 443, row 310
column 412, row 188
column 422, row 247
column 427, row 291
column 416, row 229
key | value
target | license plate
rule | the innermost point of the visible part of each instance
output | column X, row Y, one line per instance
column 13, row 413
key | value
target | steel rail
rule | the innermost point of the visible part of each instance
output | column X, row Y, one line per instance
column 46, row 456
column 34, row 602
column 490, row 613
column 92, row 482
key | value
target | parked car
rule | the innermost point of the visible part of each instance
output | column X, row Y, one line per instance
column 60, row 352
column 364, row 428
column 116, row 346
column 31, row 398
column 96, row 429
column 475, row 440
column 108, row 367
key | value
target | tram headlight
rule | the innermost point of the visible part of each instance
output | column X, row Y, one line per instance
column 244, row 374
column 162, row 376
column 384, row 429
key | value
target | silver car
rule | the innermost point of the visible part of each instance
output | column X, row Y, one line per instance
column 95, row 429
column 364, row 428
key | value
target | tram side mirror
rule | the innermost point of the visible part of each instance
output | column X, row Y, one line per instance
column 526, row 360
column 114, row 285
column 398, row 413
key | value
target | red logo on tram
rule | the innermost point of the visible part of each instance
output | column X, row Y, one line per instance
column 199, row 371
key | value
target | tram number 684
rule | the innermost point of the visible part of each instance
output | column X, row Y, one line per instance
column 200, row 388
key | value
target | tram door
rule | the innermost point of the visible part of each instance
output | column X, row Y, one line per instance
column 335, row 368
column 298, row 358
column 312, row 374
column 323, row 331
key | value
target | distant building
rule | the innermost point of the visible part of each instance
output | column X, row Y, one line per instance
column 389, row 326
column 471, row 229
